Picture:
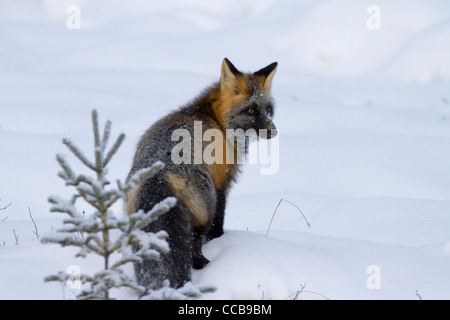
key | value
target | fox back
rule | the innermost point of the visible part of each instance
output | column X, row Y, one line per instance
column 201, row 154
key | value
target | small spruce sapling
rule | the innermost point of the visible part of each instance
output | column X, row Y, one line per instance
column 97, row 228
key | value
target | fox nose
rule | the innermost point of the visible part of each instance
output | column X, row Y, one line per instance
column 271, row 132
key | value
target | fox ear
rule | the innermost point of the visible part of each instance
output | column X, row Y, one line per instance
column 265, row 76
column 229, row 75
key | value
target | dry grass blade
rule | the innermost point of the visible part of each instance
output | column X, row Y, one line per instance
column 34, row 223
column 276, row 209
column 4, row 208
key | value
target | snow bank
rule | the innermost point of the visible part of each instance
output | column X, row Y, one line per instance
column 285, row 265
column 339, row 38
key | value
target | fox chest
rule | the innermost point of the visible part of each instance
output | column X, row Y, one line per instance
column 220, row 159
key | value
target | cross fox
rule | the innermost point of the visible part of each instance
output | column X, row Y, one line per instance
column 237, row 101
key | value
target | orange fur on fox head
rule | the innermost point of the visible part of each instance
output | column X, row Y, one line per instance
column 245, row 101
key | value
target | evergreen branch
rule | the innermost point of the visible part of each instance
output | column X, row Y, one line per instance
column 140, row 176
column 97, row 146
column 64, row 206
column 95, row 128
column 114, row 149
column 106, row 134
column 136, row 258
column 67, row 173
column 97, row 246
column 79, row 154
column 60, row 276
column 64, row 240
column 115, row 196
column 157, row 210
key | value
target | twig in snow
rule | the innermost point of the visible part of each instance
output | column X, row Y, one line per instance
column 4, row 209
column 276, row 209
column 302, row 287
column 302, row 290
column 417, row 294
column 6, row 206
column 35, row 226
column 16, row 236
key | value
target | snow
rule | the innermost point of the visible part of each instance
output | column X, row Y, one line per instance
column 364, row 137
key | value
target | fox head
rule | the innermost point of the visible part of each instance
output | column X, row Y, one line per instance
column 245, row 101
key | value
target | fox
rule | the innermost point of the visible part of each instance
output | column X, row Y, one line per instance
column 237, row 101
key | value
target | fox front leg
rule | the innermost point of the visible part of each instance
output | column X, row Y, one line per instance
column 216, row 229
column 198, row 259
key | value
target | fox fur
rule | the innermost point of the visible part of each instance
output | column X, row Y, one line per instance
column 238, row 101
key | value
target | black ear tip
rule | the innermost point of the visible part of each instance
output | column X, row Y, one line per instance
column 228, row 62
column 230, row 66
column 267, row 70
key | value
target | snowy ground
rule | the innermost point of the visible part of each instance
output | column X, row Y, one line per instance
column 364, row 120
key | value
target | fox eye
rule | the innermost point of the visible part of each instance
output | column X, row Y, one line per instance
column 269, row 109
column 251, row 111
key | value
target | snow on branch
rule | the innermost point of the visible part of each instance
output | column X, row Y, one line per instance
column 93, row 233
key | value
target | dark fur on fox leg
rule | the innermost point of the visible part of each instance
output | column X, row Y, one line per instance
column 198, row 259
column 216, row 229
column 175, row 265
